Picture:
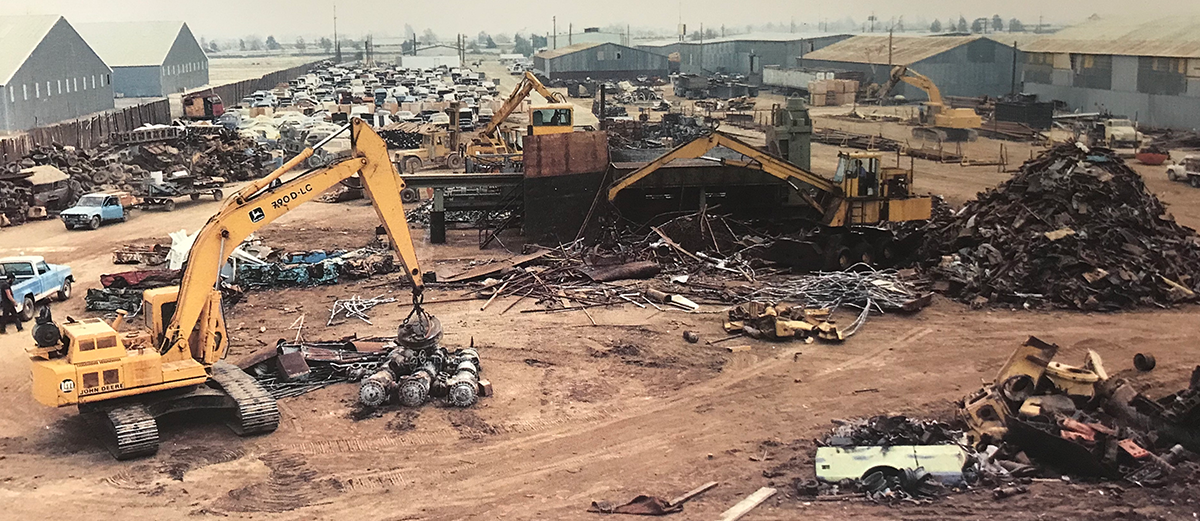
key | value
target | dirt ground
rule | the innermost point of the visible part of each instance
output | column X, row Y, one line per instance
column 581, row 412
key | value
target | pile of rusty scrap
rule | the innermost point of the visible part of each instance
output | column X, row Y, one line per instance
column 1174, row 139
column 298, row 367
column 124, row 166
column 124, row 290
column 782, row 322
column 1079, row 421
column 1073, row 228
column 672, row 130
column 1010, row 130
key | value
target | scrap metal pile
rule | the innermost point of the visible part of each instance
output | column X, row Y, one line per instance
column 1077, row 420
column 214, row 153
column 888, row 459
column 124, row 290
column 314, row 268
column 1074, row 228
column 672, row 130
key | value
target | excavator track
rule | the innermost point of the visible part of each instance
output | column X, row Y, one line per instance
column 133, row 431
column 257, row 412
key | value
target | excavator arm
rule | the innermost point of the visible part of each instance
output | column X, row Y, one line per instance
column 902, row 73
column 528, row 84
column 262, row 201
column 757, row 160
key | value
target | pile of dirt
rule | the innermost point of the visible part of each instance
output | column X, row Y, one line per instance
column 1074, row 228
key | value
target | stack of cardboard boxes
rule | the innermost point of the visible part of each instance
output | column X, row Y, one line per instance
column 832, row 92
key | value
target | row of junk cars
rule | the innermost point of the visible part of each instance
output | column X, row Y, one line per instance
column 313, row 105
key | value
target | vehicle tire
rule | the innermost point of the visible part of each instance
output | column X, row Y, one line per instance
column 195, row 197
column 864, row 253
column 885, row 252
column 64, row 292
column 410, row 195
column 124, row 215
column 94, row 222
column 454, row 161
column 1171, row 175
column 838, row 258
column 169, row 205
column 69, row 227
column 28, row 311
column 1194, row 180
column 218, row 195
column 412, row 165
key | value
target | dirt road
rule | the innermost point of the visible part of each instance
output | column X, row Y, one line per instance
column 581, row 412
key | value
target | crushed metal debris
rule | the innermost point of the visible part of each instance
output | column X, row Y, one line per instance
column 1074, row 228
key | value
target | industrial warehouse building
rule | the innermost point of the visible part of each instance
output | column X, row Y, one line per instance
column 1146, row 70
column 599, row 61
column 958, row 65
column 48, row 73
column 149, row 59
column 742, row 54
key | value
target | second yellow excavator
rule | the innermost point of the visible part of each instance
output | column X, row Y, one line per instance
column 938, row 122
column 557, row 116
column 174, row 363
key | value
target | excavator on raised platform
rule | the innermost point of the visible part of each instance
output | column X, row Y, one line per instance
column 854, row 206
column 175, row 362
column 938, row 122
column 557, row 116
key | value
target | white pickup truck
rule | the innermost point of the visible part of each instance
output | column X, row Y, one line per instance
column 1187, row 171
column 36, row 281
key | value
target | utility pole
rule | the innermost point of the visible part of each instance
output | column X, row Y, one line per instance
column 337, row 44
column 1013, row 91
column 554, row 20
column 570, row 33
column 889, row 51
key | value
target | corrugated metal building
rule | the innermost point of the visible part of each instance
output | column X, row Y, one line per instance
column 1146, row 69
column 149, row 59
column 48, row 73
column 589, row 35
column 958, row 65
column 742, row 54
column 599, row 61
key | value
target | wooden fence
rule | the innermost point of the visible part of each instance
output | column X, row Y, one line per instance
column 91, row 131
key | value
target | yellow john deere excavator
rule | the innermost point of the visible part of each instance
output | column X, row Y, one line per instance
column 939, row 122
column 861, row 196
column 175, row 362
column 556, row 117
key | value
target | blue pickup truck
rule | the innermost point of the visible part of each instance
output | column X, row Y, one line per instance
column 94, row 209
column 36, row 281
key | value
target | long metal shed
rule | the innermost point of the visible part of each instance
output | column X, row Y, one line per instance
column 958, row 65
column 149, row 59
column 48, row 73
column 599, row 61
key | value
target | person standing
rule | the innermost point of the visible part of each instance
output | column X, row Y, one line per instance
column 8, row 304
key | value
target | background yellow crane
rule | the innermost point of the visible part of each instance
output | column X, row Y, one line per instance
column 555, row 117
column 939, row 122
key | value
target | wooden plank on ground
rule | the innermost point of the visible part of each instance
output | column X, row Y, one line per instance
column 495, row 267
column 746, row 505
column 693, row 493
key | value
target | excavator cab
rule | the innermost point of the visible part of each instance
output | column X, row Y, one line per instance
column 858, row 173
column 555, row 118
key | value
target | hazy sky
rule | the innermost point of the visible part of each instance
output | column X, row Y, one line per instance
column 290, row 18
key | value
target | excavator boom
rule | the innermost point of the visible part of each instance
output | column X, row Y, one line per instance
column 262, row 201
column 758, row 160
column 528, row 84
